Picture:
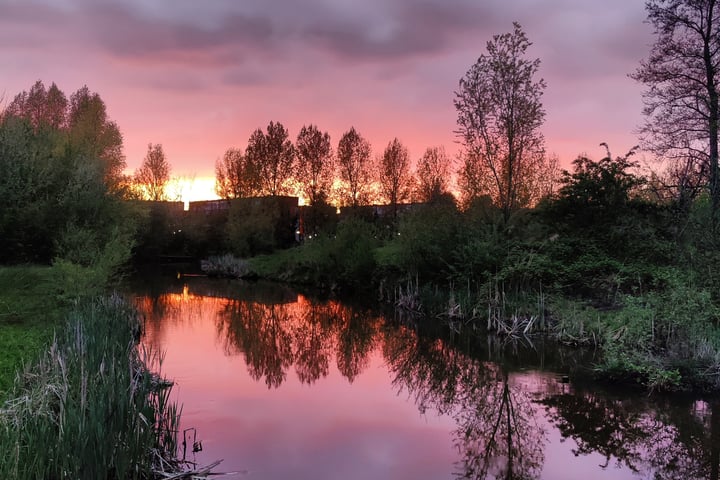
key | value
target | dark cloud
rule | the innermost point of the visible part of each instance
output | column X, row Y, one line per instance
column 409, row 29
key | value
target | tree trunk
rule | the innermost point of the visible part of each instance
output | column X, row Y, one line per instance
column 710, row 73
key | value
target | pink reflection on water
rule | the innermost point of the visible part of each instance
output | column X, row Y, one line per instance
column 334, row 429
column 290, row 388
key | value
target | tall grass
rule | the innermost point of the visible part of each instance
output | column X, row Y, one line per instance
column 90, row 407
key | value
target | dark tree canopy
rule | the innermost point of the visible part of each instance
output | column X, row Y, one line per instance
column 270, row 156
column 681, row 101
column 353, row 156
column 433, row 174
column 154, row 174
column 315, row 164
column 394, row 175
column 499, row 118
column 235, row 176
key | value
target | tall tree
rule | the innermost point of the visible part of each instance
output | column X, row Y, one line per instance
column 353, row 157
column 235, row 176
column 499, row 118
column 270, row 155
column 394, row 175
column 315, row 167
column 40, row 107
column 433, row 174
column 93, row 135
column 255, row 155
column 681, row 103
column 55, row 200
column 154, row 174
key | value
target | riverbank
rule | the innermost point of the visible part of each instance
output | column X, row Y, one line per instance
column 81, row 400
column 631, row 285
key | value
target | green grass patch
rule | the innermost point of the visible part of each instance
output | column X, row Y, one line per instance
column 29, row 312
column 89, row 407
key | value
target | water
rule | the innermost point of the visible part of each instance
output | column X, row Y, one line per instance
column 282, row 386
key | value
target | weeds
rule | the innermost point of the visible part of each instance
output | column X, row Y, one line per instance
column 90, row 407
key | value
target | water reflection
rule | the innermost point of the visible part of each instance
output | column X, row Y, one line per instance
column 497, row 434
column 508, row 409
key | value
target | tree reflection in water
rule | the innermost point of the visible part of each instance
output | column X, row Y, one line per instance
column 274, row 337
column 665, row 442
column 498, row 432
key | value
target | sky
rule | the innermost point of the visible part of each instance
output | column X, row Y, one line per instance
column 199, row 76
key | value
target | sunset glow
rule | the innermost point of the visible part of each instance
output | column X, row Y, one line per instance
column 199, row 78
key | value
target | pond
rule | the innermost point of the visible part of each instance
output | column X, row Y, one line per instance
column 280, row 385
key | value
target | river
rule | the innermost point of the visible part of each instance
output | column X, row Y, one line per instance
column 280, row 385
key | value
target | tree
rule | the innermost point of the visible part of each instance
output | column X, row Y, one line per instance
column 432, row 173
column 271, row 155
column 315, row 167
column 499, row 120
column 681, row 103
column 235, row 176
column 255, row 155
column 92, row 135
column 394, row 174
column 353, row 156
column 58, row 196
column 154, row 174
column 42, row 108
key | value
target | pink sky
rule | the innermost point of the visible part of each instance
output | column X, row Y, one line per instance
column 199, row 77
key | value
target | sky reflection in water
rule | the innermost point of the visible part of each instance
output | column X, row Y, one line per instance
column 286, row 387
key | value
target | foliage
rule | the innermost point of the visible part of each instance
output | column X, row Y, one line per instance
column 251, row 227
column 315, row 166
column 234, row 175
column 425, row 240
column 330, row 260
column 499, row 118
column 154, row 174
column 89, row 408
column 59, row 193
column 432, row 174
column 353, row 157
column 269, row 159
column 394, row 174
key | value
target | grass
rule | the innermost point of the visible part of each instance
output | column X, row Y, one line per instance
column 90, row 407
column 29, row 311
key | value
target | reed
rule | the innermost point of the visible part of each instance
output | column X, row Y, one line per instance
column 90, row 407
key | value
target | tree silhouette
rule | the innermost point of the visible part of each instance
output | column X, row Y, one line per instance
column 433, row 173
column 394, row 174
column 353, row 156
column 499, row 120
column 154, row 174
column 682, row 74
column 235, row 175
column 315, row 164
column 269, row 160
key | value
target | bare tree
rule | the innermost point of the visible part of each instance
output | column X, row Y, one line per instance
column 433, row 174
column 154, row 174
column 235, row 176
column 315, row 166
column 353, row 156
column 681, row 103
column 499, row 120
column 394, row 175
